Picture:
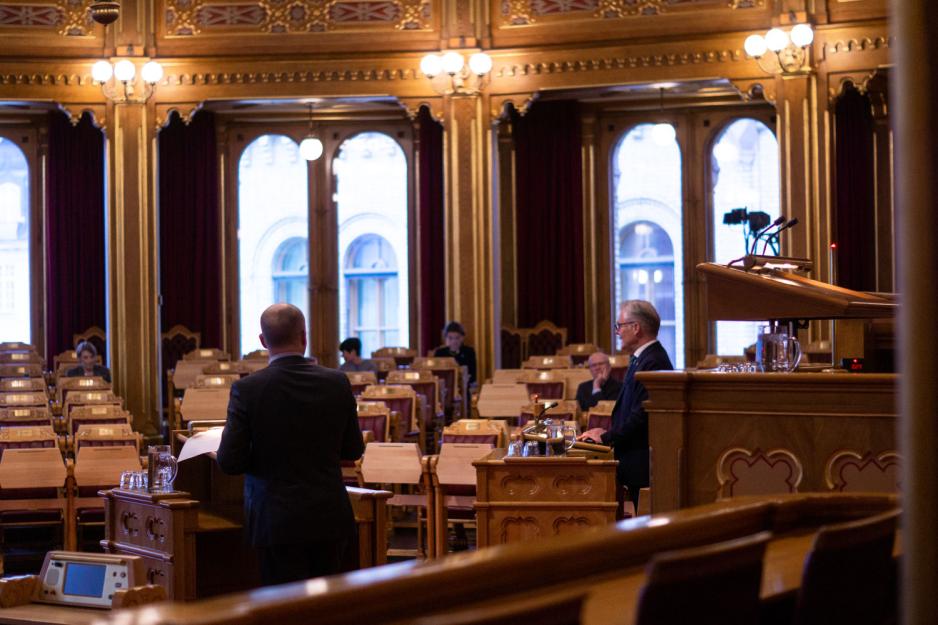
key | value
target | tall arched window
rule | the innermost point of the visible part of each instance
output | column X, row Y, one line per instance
column 647, row 214
column 744, row 162
column 371, row 194
column 273, row 229
column 290, row 273
column 14, row 244
column 371, row 286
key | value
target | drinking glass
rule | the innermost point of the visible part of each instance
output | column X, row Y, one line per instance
column 515, row 447
column 530, row 449
column 570, row 432
column 126, row 477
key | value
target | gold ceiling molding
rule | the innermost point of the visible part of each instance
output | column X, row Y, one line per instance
column 516, row 13
column 622, row 62
column 69, row 18
column 188, row 18
column 412, row 107
column 520, row 101
column 857, row 45
column 309, row 76
column 46, row 79
column 98, row 112
column 185, row 111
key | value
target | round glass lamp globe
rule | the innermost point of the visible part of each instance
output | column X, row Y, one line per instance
column 452, row 62
column 102, row 71
column 431, row 65
column 755, row 46
column 776, row 39
column 124, row 70
column 802, row 35
column 152, row 72
column 663, row 134
column 480, row 63
column 310, row 148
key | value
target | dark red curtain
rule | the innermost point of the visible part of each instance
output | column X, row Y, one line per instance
column 430, row 228
column 75, row 224
column 548, row 192
column 190, row 221
column 855, row 210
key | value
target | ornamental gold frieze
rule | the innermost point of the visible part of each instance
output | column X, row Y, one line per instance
column 514, row 13
column 193, row 18
column 69, row 18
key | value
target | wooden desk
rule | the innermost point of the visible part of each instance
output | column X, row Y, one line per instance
column 788, row 425
column 39, row 614
column 521, row 499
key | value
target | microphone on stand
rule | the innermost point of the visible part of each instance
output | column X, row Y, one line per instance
column 789, row 224
column 760, row 233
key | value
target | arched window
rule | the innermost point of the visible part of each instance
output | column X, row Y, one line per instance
column 14, row 244
column 647, row 213
column 273, row 228
column 371, row 195
column 371, row 286
column 290, row 273
column 745, row 174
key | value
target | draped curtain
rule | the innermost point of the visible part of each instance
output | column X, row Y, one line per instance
column 549, row 206
column 75, row 232
column 190, row 222
column 855, row 209
column 430, row 230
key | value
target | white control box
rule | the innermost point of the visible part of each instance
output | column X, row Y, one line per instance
column 87, row 579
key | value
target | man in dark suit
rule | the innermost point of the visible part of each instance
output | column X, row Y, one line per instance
column 289, row 427
column 637, row 327
column 602, row 387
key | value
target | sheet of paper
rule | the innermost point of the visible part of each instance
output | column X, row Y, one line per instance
column 201, row 443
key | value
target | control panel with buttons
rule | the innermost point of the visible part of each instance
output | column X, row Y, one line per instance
column 87, row 579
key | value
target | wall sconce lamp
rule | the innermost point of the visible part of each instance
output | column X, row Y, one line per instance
column 311, row 146
column 450, row 73
column 790, row 49
column 119, row 81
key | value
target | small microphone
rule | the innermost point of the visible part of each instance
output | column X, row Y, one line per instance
column 760, row 233
column 552, row 404
column 789, row 224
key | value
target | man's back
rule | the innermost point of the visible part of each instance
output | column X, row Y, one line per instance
column 289, row 426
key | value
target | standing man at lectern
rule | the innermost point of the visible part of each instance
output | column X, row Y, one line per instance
column 637, row 328
column 289, row 427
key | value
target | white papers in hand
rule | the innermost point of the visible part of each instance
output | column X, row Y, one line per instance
column 201, row 443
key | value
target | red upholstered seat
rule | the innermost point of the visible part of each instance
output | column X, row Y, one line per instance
column 471, row 439
column 546, row 390
column 375, row 423
column 599, row 421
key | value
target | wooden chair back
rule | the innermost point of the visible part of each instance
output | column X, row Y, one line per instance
column 574, row 377
column 360, row 380
column 545, row 384
column 502, row 400
column 23, row 385
column 600, row 416
column 21, row 371
column 448, row 372
column 849, row 573
column 69, row 357
column 109, row 415
column 258, row 354
column 566, row 409
column 16, row 346
column 206, row 353
column 619, row 364
column 402, row 356
column 383, row 365
column 398, row 398
column 719, row 584
column 514, row 349
column 101, row 466
column 20, row 358
column 423, row 382
column 25, row 416
column 79, row 383
column 33, row 437
column 31, row 467
column 224, row 367
column 547, row 362
column 579, row 352
column 28, row 398
column 216, row 380
column 86, row 398
column 477, row 431
column 176, row 342
column 454, row 465
column 112, row 435
column 374, row 416
column 545, row 339
column 94, row 335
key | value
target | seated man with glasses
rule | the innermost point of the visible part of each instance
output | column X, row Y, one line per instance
column 602, row 387
column 637, row 328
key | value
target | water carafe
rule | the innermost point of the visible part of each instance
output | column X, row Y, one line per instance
column 161, row 468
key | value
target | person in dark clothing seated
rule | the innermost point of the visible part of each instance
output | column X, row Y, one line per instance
column 602, row 387
column 351, row 349
column 87, row 365
column 453, row 336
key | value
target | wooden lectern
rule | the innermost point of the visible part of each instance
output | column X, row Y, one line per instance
column 734, row 294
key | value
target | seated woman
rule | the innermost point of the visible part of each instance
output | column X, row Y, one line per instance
column 87, row 355
column 453, row 336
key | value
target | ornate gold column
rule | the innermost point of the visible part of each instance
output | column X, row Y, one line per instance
column 877, row 90
column 470, row 241
column 915, row 27
column 133, row 315
column 507, row 225
column 594, row 293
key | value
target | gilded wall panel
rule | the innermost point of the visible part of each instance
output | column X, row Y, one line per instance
column 48, row 28
column 849, row 10
column 527, row 22
column 291, row 26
